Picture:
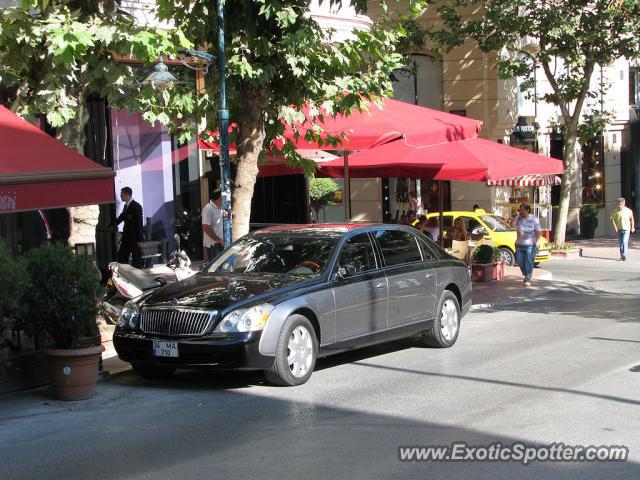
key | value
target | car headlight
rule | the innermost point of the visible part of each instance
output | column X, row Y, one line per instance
column 246, row 319
column 130, row 316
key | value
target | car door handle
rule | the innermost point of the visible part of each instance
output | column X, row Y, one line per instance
column 380, row 285
column 428, row 275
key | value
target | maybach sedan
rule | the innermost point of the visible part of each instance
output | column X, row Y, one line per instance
column 279, row 298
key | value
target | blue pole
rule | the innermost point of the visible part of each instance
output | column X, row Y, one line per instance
column 223, row 113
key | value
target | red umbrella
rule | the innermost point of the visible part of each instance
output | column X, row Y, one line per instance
column 379, row 125
column 474, row 159
column 37, row 171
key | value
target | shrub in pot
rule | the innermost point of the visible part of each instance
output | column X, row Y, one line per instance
column 486, row 264
column 13, row 281
column 62, row 303
column 588, row 220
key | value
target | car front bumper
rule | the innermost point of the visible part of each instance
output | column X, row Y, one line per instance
column 224, row 351
column 543, row 255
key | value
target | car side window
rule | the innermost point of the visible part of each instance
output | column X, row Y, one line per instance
column 427, row 253
column 358, row 251
column 398, row 247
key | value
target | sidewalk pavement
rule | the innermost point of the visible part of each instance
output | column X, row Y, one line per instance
column 485, row 295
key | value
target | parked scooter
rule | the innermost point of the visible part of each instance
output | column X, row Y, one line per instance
column 128, row 282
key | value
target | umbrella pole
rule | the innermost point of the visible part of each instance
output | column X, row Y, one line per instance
column 440, row 209
column 347, row 188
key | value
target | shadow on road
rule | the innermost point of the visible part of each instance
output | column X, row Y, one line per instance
column 581, row 300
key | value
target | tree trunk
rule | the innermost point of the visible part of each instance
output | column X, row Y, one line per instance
column 570, row 169
column 83, row 219
column 250, row 143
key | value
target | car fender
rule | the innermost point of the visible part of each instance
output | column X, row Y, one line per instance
column 321, row 303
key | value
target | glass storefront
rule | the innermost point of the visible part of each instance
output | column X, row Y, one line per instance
column 164, row 177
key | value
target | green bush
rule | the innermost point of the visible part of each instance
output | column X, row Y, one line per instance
column 486, row 254
column 322, row 191
column 63, row 295
column 13, row 281
column 589, row 210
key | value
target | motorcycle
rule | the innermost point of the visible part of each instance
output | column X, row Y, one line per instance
column 129, row 282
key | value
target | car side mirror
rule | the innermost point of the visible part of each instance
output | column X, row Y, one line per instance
column 479, row 231
column 345, row 271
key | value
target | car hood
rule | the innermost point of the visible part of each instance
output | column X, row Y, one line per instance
column 219, row 291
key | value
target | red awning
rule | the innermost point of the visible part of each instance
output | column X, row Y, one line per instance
column 38, row 172
column 475, row 159
column 380, row 125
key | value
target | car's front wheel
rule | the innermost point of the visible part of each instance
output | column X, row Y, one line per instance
column 295, row 354
column 446, row 325
column 508, row 257
column 155, row 372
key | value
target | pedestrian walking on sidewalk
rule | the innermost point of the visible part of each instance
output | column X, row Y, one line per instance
column 623, row 224
column 528, row 229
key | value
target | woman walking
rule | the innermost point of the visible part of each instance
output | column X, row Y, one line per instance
column 528, row 229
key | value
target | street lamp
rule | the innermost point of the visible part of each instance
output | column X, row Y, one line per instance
column 162, row 79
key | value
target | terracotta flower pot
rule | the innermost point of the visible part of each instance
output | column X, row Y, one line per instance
column 482, row 272
column 74, row 372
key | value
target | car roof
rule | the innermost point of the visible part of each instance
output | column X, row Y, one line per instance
column 460, row 212
column 316, row 228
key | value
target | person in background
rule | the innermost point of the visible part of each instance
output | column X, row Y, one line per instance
column 476, row 207
column 528, row 230
column 420, row 223
column 413, row 206
column 457, row 231
column 623, row 224
column 404, row 220
column 132, row 233
column 212, row 236
column 432, row 229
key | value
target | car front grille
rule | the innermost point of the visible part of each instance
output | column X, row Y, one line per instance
column 175, row 321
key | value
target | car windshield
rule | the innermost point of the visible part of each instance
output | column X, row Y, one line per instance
column 495, row 223
column 304, row 255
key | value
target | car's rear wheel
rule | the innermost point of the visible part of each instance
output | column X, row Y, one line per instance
column 446, row 325
column 295, row 354
column 508, row 256
column 156, row 372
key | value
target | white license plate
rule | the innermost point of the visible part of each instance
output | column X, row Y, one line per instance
column 165, row 349
column 542, row 253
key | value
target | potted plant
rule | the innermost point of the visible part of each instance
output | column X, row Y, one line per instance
column 588, row 220
column 566, row 250
column 486, row 264
column 62, row 303
column 12, row 285
column 322, row 191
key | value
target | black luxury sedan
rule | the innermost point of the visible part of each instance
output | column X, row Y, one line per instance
column 280, row 297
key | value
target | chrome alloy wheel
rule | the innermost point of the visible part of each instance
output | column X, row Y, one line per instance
column 449, row 321
column 300, row 351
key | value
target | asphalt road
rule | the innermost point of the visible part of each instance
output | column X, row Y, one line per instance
column 562, row 368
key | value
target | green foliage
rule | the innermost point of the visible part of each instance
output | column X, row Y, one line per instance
column 592, row 125
column 589, row 210
column 484, row 254
column 279, row 60
column 65, row 301
column 13, row 282
column 53, row 53
column 322, row 191
column 563, row 246
column 578, row 34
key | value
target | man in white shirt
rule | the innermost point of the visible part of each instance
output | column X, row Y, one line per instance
column 212, row 236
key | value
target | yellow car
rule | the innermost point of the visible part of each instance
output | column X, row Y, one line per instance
column 482, row 224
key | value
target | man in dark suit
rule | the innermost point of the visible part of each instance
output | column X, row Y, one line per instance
column 132, row 232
